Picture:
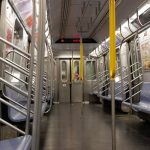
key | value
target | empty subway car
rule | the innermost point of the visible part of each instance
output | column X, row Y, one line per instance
column 57, row 59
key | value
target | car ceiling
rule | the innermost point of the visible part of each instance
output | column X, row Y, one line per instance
column 83, row 18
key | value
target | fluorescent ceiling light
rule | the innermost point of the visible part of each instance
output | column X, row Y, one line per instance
column 133, row 17
column 144, row 8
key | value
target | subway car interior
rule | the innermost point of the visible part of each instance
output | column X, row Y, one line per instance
column 75, row 75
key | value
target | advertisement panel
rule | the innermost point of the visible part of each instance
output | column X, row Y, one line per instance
column 145, row 49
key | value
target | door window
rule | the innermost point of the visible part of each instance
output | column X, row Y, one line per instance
column 64, row 71
column 76, row 71
column 90, row 70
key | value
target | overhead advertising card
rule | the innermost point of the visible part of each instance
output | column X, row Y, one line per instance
column 145, row 49
column 25, row 9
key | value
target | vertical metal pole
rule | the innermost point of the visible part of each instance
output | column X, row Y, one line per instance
column 53, row 76
column 51, row 80
column 39, row 76
column 2, row 47
column 31, row 68
column 113, row 115
column 97, row 74
column 112, row 26
column 121, row 75
column 129, row 77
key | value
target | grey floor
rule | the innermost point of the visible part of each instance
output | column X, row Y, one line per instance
column 88, row 127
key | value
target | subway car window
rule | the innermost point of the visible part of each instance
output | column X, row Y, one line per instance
column 144, row 13
column 90, row 70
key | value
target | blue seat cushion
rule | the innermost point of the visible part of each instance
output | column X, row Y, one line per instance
column 14, row 95
column 144, row 104
column 118, row 93
column 13, row 114
column 108, row 97
column 145, row 93
column 16, row 116
column 19, row 143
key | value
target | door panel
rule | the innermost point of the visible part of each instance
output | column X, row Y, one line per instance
column 70, row 91
column 64, row 84
column 89, row 77
column 77, row 92
column 76, row 88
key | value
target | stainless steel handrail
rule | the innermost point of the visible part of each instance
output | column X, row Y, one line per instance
column 39, row 77
column 12, row 126
column 13, row 66
column 18, row 53
column 18, row 66
column 101, row 82
column 14, row 107
column 13, row 87
column 13, row 46
column 26, row 83
column 132, row 96
column 124, row 84
column 93, row 75
column 26, row 72
column 98, row 84
column 16, row 103
column 140, row 83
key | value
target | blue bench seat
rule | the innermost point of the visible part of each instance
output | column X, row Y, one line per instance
column 16, row 116
column 118, row 94
column 19, row 143
column 144, row 104
column 108, row 97
column 13, row 114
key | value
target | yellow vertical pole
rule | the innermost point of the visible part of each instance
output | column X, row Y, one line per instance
column 112, row 56
column 81, row 59
column 112, row 28
column 72, row 70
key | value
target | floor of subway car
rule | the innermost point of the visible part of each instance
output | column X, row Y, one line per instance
column 88, row 127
